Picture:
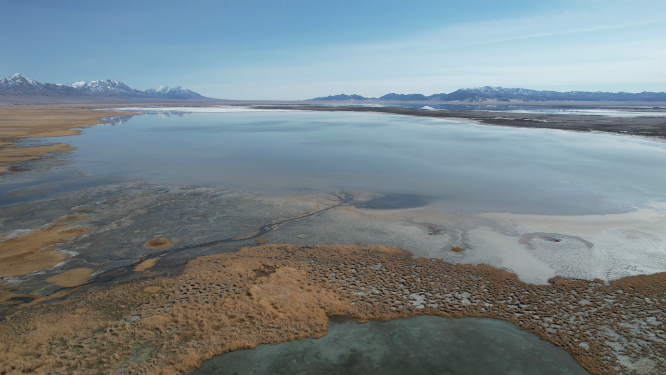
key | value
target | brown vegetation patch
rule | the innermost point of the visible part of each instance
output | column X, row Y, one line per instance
column 71, row 278
column 155, row 322
column 645, row 283
column 158, row 243
column 42, row 121
column 14, row 155
column 260, row 240
column 219, row 304
column 457, row 249
column 152, row 289
column 33, row 251
column 145, row 265
column 18, row 168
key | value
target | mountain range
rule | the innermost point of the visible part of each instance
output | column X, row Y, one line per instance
column 18, row 84
column 502, row 94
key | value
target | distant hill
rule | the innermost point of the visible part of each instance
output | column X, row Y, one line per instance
column 162, row 91
column 480, row 94
column 404, row 97
column 342, row 97
column 19, row 85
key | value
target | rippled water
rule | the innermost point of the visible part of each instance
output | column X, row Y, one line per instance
column 463, row 166
column 421, row 345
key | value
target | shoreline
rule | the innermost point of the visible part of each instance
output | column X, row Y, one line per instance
column 653, row 128
column 57, row 120
column 276, row 293
column 20, row 122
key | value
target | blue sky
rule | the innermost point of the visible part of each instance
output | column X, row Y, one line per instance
column 298, row 49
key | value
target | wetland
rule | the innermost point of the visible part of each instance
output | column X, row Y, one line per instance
column 138, row 224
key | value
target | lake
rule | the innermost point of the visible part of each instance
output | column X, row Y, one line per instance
column 463, row 166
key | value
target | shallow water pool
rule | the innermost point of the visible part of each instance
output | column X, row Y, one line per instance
column 420, row 345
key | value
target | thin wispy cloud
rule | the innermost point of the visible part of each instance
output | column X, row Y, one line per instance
column 592, row 47
column 299, row 50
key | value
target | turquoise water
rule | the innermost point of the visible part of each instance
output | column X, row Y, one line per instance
column 462, row 166
column 420, row 345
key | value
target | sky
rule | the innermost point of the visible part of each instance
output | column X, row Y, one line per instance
column 299, row 49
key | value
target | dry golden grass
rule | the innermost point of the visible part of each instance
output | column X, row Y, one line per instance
column 275, row 293
column 16, row 155
column 644, row 283
column 145, row 265
column 158, row 243
column 42, row 121
column 457, row 249
column 31, row 252
column 71, row 278
column 48, row 327
column 260, row 240
column 155, row 322
column 283, row 305
column 152, row 289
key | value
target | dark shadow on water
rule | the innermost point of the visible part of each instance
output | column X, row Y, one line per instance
column 395, row 201
column 420, row 345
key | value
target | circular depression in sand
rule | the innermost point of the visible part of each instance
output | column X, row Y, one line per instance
column 158, row 243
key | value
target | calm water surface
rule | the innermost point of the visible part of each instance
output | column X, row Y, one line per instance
column 420, row 345
column 464, row 166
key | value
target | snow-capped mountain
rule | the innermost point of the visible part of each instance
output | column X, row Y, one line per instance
column 479, row 94
column 162, row 91
column 506, row 94
column 109, row 87
column 342, row 97
column 18, row 84
column 18, row 80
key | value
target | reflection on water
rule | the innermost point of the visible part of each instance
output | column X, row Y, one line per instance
column 420, row 345
column 462, row 166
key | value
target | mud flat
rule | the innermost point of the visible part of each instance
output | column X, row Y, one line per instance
column 653, row 127
column 124, row 253
column 97, row 236
column 276, row 293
